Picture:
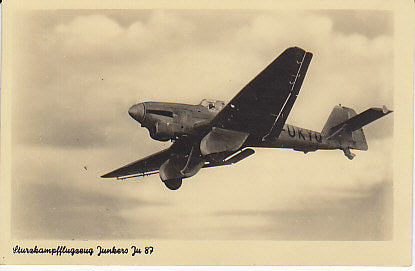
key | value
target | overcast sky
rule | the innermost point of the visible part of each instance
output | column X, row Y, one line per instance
column 76, row 74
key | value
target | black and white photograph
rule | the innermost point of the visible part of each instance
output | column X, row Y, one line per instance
column 198, row 125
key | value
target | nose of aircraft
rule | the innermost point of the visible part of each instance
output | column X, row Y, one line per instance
column 137, row 112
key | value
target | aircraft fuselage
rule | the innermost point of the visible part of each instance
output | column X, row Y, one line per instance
column 172, row 121
column 213, row 134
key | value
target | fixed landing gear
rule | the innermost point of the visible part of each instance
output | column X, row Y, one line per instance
column 173, row 184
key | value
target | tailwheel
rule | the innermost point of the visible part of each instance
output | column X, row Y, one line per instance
column 348, row 153
column 173, row 184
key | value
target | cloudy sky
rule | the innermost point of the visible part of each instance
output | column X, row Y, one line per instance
column 76, row 73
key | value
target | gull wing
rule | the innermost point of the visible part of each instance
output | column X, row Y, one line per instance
column 262, row 106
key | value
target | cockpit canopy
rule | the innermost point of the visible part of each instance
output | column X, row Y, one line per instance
column 212, row 105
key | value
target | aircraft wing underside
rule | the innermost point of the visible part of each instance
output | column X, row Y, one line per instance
column 262, row 106
column 144, row 165
column 152, row 163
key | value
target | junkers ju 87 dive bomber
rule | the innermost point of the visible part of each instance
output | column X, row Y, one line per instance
column 213, row 134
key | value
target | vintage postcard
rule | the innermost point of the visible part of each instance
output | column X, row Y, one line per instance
column 207, row 133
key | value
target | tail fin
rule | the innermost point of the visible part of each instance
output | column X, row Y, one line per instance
column 345, row 126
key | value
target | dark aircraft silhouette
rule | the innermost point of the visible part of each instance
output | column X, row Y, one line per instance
column 214, row 134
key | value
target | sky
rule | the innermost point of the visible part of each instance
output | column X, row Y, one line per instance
column 76, row 73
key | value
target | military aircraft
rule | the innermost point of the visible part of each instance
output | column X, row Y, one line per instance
column 213, row 134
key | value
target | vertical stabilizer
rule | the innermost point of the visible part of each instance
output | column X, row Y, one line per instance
column 344, row 127
column 338, row 115
column 336, row 130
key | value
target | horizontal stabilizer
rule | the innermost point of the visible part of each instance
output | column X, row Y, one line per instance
column 358, row 121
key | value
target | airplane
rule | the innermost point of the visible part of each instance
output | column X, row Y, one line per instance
column 213, row 133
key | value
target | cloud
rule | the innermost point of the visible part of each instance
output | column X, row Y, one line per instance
column 357, row 214
column 78, row 72
column 56, row 211
column 100, row 36
column 47, row 196
column 90, row 31
column 365, row 22
column 91, row 68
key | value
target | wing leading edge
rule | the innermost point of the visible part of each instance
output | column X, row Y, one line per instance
column 147, row 164
column 262, row 106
